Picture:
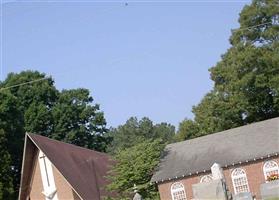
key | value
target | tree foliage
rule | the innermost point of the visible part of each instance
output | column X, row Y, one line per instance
column 135, row 165
column 135, row 131
column 137, row 146
column 187, row 129
column 246, row 80
column 77, row 121
column 6, row 178
column 38, row 107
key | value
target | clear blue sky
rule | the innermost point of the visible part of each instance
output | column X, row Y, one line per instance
column 141, row 59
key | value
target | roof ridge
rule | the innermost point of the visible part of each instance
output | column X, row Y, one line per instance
column 224, row 131
column 72, row 145
column 89, row 178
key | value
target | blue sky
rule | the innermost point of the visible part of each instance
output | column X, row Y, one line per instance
column 141, row 59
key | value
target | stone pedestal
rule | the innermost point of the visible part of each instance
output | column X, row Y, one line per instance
column 243, row 196
column 212, row 190
column 270, row 190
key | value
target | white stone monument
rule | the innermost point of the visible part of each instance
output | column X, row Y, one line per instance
column 217, row 172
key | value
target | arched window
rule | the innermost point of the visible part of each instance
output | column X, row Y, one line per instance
column 178, row 192
column 240, row 182
column 270, row 168
column 206, row 179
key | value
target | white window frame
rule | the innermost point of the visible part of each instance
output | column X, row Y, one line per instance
column 49, row 191
column 181, row 189
column 238, row 176
column 206, row 178
column 267, row 170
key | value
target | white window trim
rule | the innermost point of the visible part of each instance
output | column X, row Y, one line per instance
column 266, row 170
column 49, row 191
column 233, row 177
column 176, row 190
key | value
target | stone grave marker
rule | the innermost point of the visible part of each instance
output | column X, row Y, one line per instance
column 270, row 190
column 210, row 190
column 243, row 196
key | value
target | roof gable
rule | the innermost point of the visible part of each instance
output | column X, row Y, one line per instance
column 84, row 169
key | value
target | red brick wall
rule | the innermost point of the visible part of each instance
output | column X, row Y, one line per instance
column 164, row 189
column 254, row 172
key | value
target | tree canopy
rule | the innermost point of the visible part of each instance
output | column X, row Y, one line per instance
column 137, row 146
column 135, row 166
column 135, row 131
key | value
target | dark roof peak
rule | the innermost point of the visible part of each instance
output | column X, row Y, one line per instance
column 84, row 169
column 72, row 146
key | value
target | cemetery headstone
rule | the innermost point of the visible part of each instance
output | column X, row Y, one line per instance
column 270, row 190
column 243, row 196
column 210, row 190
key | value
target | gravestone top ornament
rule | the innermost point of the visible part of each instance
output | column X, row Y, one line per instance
column 217, row 171
column 137, row 195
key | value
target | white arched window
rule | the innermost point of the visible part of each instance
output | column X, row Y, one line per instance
column 240, row 182
column 206, row 179
column 178, row 192
column 270, row 168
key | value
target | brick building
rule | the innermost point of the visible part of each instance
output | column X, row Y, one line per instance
column 249, row 156
column 56, row 170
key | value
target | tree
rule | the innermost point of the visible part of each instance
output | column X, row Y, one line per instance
column 246, row 80
column 77, row 121
column 10, row 139
column 164, row 131
column 38, row 107
column 6, row 178
column 34, row 100
column 137, row 146
column 187, row 130
column 135, row 131
column 135, row 165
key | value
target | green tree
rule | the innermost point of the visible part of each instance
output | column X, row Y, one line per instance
column 6, row 178
column 77, row 121
column 164, row 131
column 34, row 100
column 11, row 134
column 135, row 165
column 246, row 80
column 187, row 129
column 135, row 131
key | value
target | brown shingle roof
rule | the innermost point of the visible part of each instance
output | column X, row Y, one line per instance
column 84, row 169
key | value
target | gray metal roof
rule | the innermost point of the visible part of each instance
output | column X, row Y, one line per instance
column 228, row 147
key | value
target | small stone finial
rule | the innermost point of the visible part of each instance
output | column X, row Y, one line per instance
column 137, row 197
column 135, row 188
column 217, row 171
